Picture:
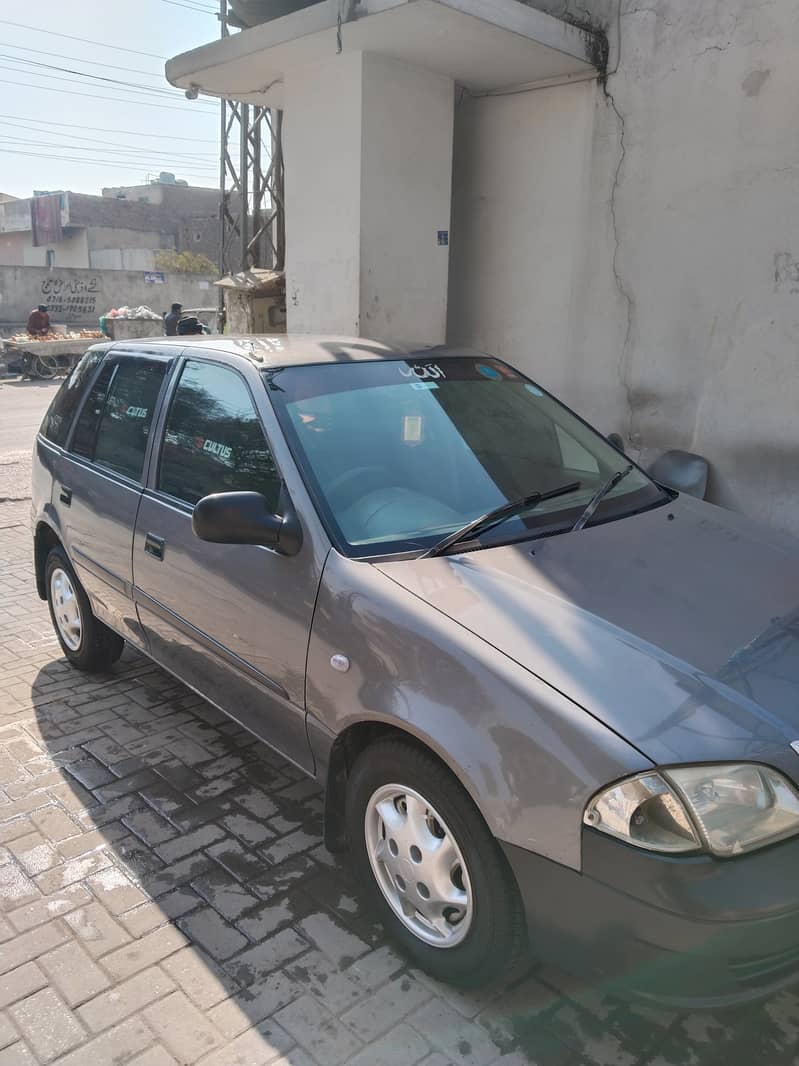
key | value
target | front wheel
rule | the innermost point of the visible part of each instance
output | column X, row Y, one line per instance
column 85, row 640
column 431, row 867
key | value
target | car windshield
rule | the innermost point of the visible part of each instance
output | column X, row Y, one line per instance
column 399, row 454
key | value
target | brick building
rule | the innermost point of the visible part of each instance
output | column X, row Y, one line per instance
column 121, row 230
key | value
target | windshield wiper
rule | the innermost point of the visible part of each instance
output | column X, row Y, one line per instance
column 599, row 496
column 496, row 517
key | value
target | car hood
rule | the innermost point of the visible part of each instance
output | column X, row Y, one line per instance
column 678, row 628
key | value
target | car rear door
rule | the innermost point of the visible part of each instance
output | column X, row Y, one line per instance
column 98, row 482
column 232, row 621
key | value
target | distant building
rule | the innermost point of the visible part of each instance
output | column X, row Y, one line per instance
column 121, row 230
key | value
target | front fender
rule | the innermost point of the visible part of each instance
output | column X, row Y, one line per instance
column 529, row 758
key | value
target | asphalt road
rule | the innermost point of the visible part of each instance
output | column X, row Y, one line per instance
column 22, row 407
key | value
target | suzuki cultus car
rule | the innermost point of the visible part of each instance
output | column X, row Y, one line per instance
column 553, row 704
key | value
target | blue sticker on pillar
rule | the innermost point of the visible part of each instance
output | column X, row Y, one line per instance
column 443, row 238
column 534, row 389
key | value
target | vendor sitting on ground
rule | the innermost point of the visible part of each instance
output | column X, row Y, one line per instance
column 39, row 322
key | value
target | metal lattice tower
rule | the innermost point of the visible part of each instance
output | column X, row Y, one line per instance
column 251, row 180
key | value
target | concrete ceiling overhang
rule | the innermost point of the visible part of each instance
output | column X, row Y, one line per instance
column 484, row 45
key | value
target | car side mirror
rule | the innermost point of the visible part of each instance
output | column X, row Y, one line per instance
column 616, row 440
column 245, row 518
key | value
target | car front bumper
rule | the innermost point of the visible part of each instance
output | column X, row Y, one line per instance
column 687, row 932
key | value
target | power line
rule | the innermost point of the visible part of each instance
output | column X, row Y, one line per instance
column 94, row 96
column 192, row 7
column 132, row 88
column 16, row 129
column 28, row 122
column 78, row 73
column 83, row 40
column 79, row 59
column 196, row 162
column 118, row 164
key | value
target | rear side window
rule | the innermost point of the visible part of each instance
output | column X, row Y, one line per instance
column 213, row 440
column 67, row 400
column 115, row 422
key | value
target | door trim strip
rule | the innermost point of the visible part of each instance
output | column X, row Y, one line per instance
column 145, row 600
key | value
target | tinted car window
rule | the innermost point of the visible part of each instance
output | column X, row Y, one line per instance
column 115, row 422
column 67, row 400
column 85, row 435
column 213, row 441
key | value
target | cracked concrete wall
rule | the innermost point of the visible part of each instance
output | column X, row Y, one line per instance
column 638, row 250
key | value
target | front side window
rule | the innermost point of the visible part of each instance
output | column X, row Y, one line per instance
column 399, row 454
column 114, row 425
column 61, row 411
column 213, row 440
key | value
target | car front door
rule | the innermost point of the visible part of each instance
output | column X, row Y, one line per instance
column 232, row 621
column 98, row 482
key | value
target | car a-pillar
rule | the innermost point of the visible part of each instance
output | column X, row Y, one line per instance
column 368, row 149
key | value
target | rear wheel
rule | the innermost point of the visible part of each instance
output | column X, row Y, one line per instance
column 431, row 867
column 85, row 640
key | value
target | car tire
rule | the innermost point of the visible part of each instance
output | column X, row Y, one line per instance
column 86, row 642
column 466, row 926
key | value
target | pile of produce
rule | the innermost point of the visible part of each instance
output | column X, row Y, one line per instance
column 74, row 335
column 137, row 313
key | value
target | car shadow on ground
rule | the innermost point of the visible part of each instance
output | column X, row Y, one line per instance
column 186, row 850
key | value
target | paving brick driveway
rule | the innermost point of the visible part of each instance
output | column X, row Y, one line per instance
column 165, row 899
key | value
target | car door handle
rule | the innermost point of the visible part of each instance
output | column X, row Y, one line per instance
column 65, row 496
column 154, row 546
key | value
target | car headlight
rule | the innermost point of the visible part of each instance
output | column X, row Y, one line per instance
column 725, row 810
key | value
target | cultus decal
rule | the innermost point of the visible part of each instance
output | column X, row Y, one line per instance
column 431, row 371
column 222, row 451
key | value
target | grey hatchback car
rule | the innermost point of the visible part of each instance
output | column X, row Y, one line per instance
column 551, row 703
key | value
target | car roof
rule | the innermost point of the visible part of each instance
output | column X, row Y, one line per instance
column 289, row 349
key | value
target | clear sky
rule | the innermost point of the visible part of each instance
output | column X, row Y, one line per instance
column 62, row 130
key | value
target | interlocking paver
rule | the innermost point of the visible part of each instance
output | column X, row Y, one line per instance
column 254, row 1003
column 96, row 929
column 8, row 1034
column 185, row 844
column 17, row 1055
column 332, row 939
column 266, row 956
column 217, row 936
column 34, row 853
column 115, row 890
column 154, row 1056
column 113, row 1048
column 401, row 1047
column 141, row 953
column 47, row 1025
column 257, row 1047
column 19, row 983
column 16, row 887
column 31, row 945
column 465, row 1042
column 205, row 983
column 182, row 1028
column 318, row 1031
column 73, row 973
column 124, row 999
column 379, row 1012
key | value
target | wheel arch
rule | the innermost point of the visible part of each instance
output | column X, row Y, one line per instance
column 45, row 538
column 346, row 748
